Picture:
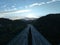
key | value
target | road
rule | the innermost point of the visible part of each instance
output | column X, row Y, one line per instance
column 37, row 38
column 21, row 39
column 29, row 36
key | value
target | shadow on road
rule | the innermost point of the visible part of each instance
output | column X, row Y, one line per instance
column 29, row 37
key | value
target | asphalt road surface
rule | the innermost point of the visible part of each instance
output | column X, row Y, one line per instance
column 29, row 36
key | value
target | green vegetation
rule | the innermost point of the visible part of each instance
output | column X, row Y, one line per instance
column 49, row 26
column 9, row 29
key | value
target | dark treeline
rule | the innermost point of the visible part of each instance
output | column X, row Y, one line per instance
column 9, row 29
column 49, row 26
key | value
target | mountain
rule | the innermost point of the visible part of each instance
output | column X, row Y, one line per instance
column 9, row 29
column 26, row 18
column 49, row 26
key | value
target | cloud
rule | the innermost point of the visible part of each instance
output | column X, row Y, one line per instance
column 21, row 11
column 34, row 4
column 13, row 17
column 8, row 9
column 12, row 12
column 3, row 6
column 51, row 1
column 13, row 6
column 1, row 15
column 19, row 14
column 39, row 4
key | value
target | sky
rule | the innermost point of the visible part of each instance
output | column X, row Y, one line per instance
column 18, row 9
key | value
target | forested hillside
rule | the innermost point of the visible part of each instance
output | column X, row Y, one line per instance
column 49, row 26
column 9, row 29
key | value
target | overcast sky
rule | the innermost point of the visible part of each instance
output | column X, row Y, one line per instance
column 16, row 9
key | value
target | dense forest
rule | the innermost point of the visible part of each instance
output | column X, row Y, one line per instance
column 9, row 29
column 49, row 26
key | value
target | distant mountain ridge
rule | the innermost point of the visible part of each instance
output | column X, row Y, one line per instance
column 26, row 18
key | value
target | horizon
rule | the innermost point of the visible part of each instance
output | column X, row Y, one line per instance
column 27, row 18
column 21, row 9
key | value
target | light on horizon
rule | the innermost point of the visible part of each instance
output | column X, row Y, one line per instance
column 31, row 15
